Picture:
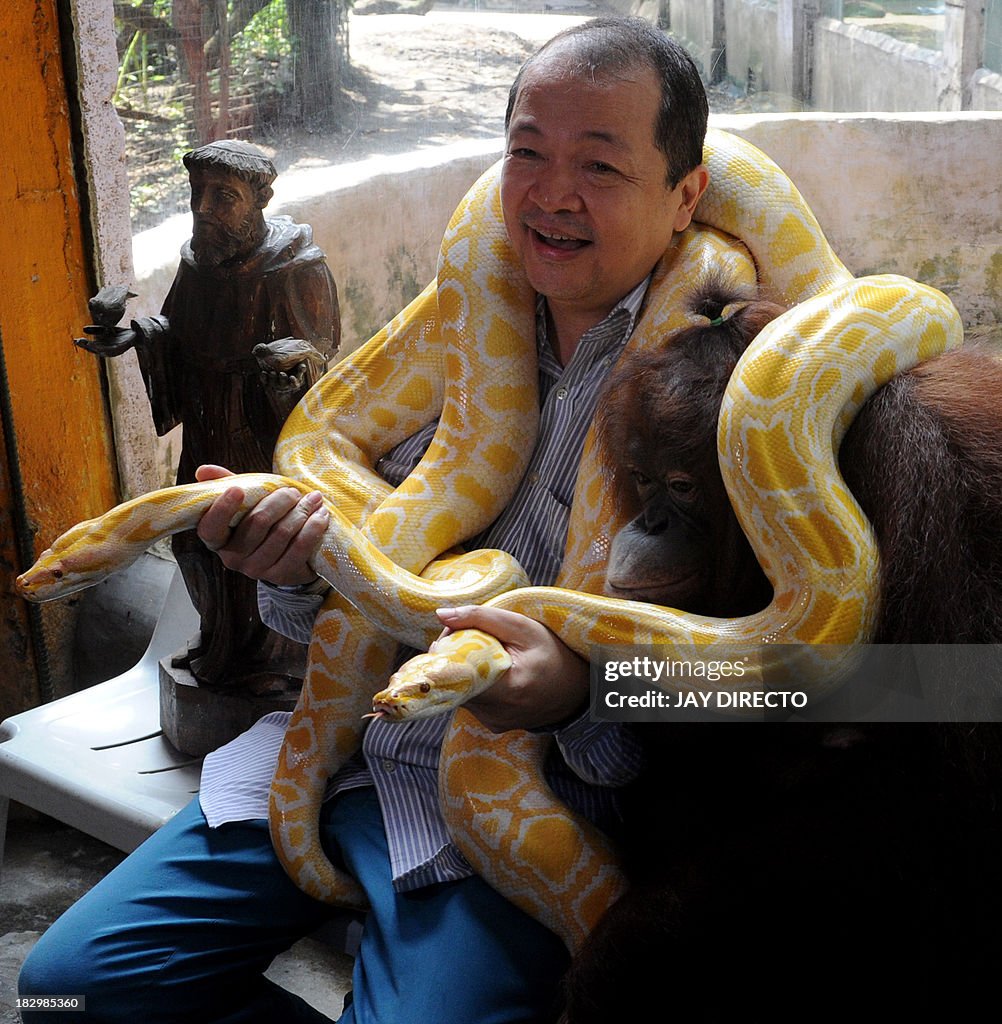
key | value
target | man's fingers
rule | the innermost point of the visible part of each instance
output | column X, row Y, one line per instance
column 214, row 527
column 274, row 540
column 508, row 627
column 288, row 541
column 547, row 681
column 294, row 565
column 257, row 526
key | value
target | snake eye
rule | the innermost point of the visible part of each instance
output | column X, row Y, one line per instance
column 57, row 574
column 425, row 687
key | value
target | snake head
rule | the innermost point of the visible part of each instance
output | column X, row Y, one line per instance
column 72, row 563
column 42, row 582
column 458, row 666
column 429, row 684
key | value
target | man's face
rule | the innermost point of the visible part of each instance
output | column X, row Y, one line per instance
column 584, row 188
column 225, row 216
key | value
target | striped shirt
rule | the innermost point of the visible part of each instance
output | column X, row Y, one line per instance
column 589, row 759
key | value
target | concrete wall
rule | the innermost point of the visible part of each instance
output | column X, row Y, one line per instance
column 753, row 57
column 890, row 194
column 782, row 47
column 698, row 26
column 735, row 39
column 986, row 90
column 858, row 69
column 885, row 189
column 652, row 10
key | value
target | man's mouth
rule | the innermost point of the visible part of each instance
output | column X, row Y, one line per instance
column 556, row 240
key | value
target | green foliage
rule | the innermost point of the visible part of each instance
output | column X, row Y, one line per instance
column 266, row 34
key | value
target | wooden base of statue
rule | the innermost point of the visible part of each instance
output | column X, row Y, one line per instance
column 198, row 718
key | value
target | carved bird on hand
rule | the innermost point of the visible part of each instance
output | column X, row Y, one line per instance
column 108, row 306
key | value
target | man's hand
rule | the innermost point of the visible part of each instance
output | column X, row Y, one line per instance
column 273, row 541
column 547, row 681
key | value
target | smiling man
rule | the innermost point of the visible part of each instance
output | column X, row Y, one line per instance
column 602, row 166
column 598, row 175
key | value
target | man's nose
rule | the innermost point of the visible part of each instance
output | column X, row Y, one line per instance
column 556, row 188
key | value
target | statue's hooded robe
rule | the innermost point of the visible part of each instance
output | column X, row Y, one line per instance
column 199, row 372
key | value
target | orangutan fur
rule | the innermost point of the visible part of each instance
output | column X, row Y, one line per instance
column 657, row 421
column 810, row 871
column 923, row 458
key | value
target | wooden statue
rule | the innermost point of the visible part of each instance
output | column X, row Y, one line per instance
column 249, row 324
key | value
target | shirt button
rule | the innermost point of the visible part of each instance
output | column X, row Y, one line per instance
column 533, row 478
column 389, row 766
column 561, row 393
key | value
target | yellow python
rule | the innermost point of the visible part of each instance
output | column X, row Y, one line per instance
column 465, row 347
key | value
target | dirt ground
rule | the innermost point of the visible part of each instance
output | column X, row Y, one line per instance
column 424, row 80
column 416, row 81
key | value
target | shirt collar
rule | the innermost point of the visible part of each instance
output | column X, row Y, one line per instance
column 613, row 331
column 632, row 303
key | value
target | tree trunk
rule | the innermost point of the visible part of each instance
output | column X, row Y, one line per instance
column 320, row 58
column 191, row 30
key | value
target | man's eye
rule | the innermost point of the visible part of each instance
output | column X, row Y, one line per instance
column 523, row 152
column 598, row 167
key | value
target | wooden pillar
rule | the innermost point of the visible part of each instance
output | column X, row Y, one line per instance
column 58, row 464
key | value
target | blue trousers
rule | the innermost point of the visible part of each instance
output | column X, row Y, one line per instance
column 183, row 929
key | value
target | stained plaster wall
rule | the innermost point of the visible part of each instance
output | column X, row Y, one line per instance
column 986, row 90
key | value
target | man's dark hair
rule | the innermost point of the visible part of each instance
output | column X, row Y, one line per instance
column 615, row 46
column 242, row 159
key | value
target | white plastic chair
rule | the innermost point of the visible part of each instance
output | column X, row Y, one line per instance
column 97, row 759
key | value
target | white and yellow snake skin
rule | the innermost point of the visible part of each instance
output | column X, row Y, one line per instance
column 465, row 347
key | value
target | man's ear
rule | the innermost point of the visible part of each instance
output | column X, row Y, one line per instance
column 691, row 188
column 264, row 194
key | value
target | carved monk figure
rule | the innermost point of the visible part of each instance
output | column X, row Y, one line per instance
column 248, row 325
